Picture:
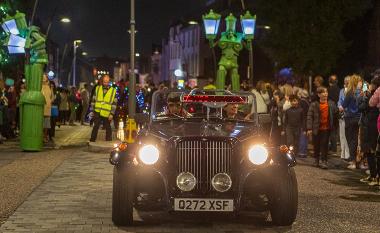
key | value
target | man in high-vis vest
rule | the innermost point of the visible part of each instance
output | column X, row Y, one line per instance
column 104, row 105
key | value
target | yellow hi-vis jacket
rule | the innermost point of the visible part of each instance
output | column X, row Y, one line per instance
column 103, row 103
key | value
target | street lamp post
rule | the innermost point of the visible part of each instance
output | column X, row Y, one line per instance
column 76, row 44
column 231, row 43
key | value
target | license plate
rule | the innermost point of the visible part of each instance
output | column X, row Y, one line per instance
column 200, row 204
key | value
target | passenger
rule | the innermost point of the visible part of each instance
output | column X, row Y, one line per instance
column 231, row 112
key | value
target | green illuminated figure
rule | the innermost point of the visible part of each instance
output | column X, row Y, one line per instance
column 23, row 39
column 231, row 43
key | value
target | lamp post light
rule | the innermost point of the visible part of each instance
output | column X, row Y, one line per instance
column 231, row 43
column 248, row 23
column 76, row 44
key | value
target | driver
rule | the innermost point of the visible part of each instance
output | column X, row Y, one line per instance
column 175, row 107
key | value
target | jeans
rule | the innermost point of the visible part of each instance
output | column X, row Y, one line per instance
column 345, row 151
column 333, row 140
column 302, row 148
column 321, row 145
column 106, row 123
column 292, row 137
column 352, row 132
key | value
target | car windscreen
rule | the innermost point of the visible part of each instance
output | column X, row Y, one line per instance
column 203, row 104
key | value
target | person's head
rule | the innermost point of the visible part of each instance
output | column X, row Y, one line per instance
column 322, row 94
column 106, row 80
column 346, row 81
column 354, row 83
column 260, row 86
column 231, row 110
column 45, row 79
column 318, row 81
column 333, row 80
column 174, row 105
column 293, row 100
column 302, row 93
column 278, row 95
column 52, row 85
column 375, row 83
column 85, row 86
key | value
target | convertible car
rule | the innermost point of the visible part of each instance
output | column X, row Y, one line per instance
column 204, row 151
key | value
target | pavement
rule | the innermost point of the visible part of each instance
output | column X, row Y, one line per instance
column 77, row 196
column 70, row 136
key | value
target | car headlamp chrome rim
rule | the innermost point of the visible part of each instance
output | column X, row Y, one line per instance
column 221, row 182
column 258, row 154
column 186, row 181
column 149, row 154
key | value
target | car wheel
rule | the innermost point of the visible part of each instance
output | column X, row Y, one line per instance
column 284, row 198
column 122, row 195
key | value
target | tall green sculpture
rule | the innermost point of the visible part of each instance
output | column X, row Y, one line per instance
column 29, row 40
column 231, row 43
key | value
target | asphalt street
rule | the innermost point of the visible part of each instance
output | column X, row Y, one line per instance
column 76, row 197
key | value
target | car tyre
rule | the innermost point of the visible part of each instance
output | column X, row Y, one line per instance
column 122, row 195
column 284, row 198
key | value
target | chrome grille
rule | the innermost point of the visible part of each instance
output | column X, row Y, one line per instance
column 204, row 159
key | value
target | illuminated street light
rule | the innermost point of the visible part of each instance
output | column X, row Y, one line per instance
column 137, row 55
column 84, row 54
column 211, row 24
column 267, row 27
column 65, row 20
column 192, row 22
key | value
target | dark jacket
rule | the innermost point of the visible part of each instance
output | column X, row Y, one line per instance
column 294, row 118
column 368, row 124
column 313, row 116
column 333, row 93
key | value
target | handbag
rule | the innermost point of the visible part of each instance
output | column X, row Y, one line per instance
column 54, row 111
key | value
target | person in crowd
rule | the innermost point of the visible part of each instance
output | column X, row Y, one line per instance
column 73, row 105
column 303, row 96
column 320, row 121
column 369, row 132
column 261, row 88
column 48, row 94
column 352, row 116
column 345, row 151
column 333, row 90
column 63, row 106
column 318, row 82
column 11, row 112
column 294, row 123
column 277, row 117
column 3, row 106
column 85, row 103
column 104, row 106
column 260, row 102
column 175, row 107
column 54, row 110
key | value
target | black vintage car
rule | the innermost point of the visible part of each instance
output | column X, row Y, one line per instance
column 204, row 151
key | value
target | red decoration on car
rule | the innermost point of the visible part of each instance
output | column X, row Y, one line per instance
column 214, row 99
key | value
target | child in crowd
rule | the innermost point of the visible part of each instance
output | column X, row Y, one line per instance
column 320, row 121
column 294, row 123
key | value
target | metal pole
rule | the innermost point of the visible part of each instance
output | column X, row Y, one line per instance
column 251, row 62
column 57, row 66
column 132, row 80
column 74, row 63
column 34, row 12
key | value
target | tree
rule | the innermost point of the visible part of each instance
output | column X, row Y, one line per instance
column 307, row 35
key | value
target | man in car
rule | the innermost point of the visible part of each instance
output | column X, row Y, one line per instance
column 175, row 107
column 231, row 112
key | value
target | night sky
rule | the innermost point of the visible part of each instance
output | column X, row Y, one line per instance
column 103, row 24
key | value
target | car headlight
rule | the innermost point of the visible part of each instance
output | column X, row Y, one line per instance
column 186, row 181
column 221, row 182
column 258, row 154
column 149, row 154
